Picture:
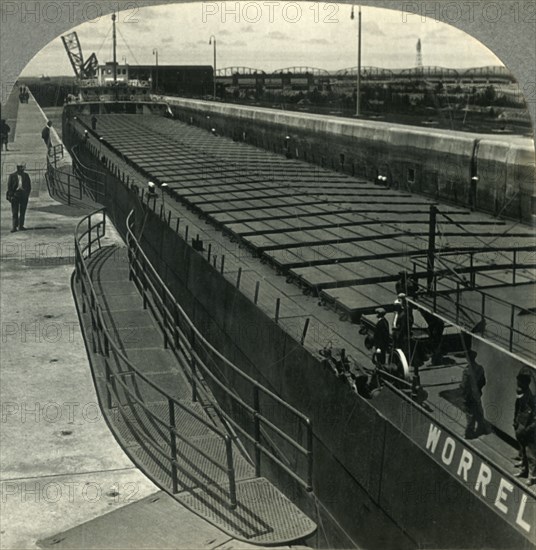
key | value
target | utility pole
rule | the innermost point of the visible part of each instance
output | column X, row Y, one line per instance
column 114, row 47
column 155, row 52
column 212, row 40
column 358, row 90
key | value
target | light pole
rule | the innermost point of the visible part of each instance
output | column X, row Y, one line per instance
column 155, row 52
column 358, row 91
column 210, row 41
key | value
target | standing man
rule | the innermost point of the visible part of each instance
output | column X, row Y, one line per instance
column 45, row 134
column 19, row 187
column 4, row 134
column 473, row 381
column 93, row 122
column 381, row 337
column 525, row 426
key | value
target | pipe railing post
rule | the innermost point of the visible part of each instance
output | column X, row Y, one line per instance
column 239, row 276
column 305, row 328
column 89, row 235
column 514, row 262
column 472, row 269
column 257, row 430
column 173, row 445
column 257, row 288
column 193, row 367
column 277, row 308
column 108, row 382
column 230, row 472
column 512, row 319
column 457, row 301
column 164, row 317
column 309, row 455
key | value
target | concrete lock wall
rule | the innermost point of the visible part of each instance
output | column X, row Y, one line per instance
column 376, row 488
column 437, row 163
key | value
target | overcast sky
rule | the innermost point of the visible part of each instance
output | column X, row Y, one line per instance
column 268, row 36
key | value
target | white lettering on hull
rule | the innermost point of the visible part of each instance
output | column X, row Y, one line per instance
column 482, row 479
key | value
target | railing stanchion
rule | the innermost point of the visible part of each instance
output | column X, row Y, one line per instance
column 257, row 430
column 108, row 382
column 89, row 234
column 457, row 301
column 472, row 269
column 230, row 472
column 173, row 444
column 514, row 262
column 309, row 455
column 257, row 287
column 164, row 317
column 194, row 368
column 512, row 319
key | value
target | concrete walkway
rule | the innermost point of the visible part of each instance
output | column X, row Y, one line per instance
column 61, row 469
column 60, row 464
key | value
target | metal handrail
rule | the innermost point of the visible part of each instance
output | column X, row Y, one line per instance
column 481, row 313
column 57, row 176
column 98, row 178
column 139, row 261
column 100, row 327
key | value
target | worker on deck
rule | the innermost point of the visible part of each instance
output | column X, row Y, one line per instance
column 93, row 122
column 381, row 337
column 406, row 286
column 525, row 426
column 402, row 323
column 19, row 187
column 471, row 386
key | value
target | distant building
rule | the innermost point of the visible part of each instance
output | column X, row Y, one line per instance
column 171, row 79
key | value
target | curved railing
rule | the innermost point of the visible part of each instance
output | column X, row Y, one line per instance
column 113, row 358
column 63, row 184
column 197, row 355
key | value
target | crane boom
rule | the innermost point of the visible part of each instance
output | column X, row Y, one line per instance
column 83, row 70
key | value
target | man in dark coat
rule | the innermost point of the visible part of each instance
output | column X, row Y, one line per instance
column 45, row 134
column 525, row 426
column 19, row 187
column 473, row 381
column 402, row 326
column 4, row 134
column 381, row 337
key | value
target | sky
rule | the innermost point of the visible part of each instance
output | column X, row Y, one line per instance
column 268, row 36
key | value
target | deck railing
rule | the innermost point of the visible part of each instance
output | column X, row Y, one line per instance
column 118, row 367
column 449, row 289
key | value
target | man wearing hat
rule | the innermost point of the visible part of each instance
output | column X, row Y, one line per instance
column 525, row 426
column 381, row 336
column 19, row 187
column 472, row 384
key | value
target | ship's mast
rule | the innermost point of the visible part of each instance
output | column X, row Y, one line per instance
column 114, row 48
